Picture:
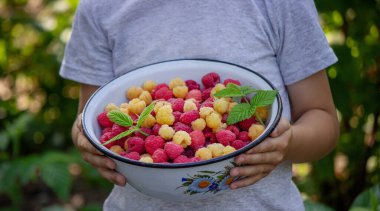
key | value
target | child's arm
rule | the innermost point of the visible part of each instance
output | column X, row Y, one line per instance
column 312, row 134
column 104, row 165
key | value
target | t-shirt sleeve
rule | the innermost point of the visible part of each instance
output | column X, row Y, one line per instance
column 87, row 57
column 302, row 45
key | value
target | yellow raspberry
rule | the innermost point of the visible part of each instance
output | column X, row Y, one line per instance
column 180, row 91
column 149, row 121
column 205, row 111
column 221, row 105
column 160, row 104
column 255, row 131
column 124, row 108
column 149, row 85
column 262, row 112
column 176, row 82
column 217, row 88
column 146, row 159
column 228, row 149
column 198, row 124
column 134, row 92
column 221, row 126
column 231, row 105
column 110, row 107
column 182, row 138
column 216, row 149
column 203, row 153
column 189, row 105
column 166, row 132
column 165, row 115
column 117, row 149
column 146, row 97
column 214, row 120
column 136, row 106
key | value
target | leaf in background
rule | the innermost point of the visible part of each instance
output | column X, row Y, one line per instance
column 144, row 114
column 239, row 113
column 264, row 98
column 121, row 135
column 58, row 178
column 120, row 118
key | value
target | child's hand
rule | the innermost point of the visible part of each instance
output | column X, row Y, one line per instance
column 259, row 161
column 104, row 165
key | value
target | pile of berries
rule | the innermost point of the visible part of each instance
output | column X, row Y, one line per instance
column 187, row 124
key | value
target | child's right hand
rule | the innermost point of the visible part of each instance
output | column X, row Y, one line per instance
column 105, row 166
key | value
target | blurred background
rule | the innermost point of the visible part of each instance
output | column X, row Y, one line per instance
column 40, row 169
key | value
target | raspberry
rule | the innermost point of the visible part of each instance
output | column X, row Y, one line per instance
column 175, row 82
column 173, row 150
column 176, row 115
column 197, row 139
column 203, row 153
column 149, row 85
column 243, row 135
column 205, row 111
column 107, row 130
column 210, row 136
column 216, row 89
column 116, row 149
column 238, row 144
column 221, row 105
column 111, row 107
column 132, row 155
column 103, row 120
column 245, row 124
column 191, row 84
column 189, row 152
column 206, row 93
column 189, row 116
column 166, row 132
column 233, row 129
column 146, row 97
column 117, row 129
column 255, row 131
column 195, row 159
column 210, row 79
column 165, row 115
column 152, row 143
column 177, row 104
column 180, row 91
column 196, row 94
column 105, row 137
column 149, row 121
column 157, row 87
column 155, row 129
column 180, row 126
column 163, row 93
column 146, row 159
column 233, row 81
column 145, row 130
column 190, row 104
column 182, row 159
column 133, row 92
column 216, row 149
column 225, row 137
column 228, row 149
column 208, row 104
column 224, row 118
column 198, row 124
column 135, row 144
column 214, row 120
column 136, row 106
column 182, row 138
column 159, row 156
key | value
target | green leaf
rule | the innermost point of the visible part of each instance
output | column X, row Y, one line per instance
column 239, row 113
column 120, row 118
column 207, row 172
column 144, row 114
column 121, row 135
column 264, row 98
column 58, row 178
column 246, row 90
column 228, row 92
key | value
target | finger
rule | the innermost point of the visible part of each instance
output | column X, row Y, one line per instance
column 246, row 181
column 84, row 144
column 282, row 126
column 272, row 158
column 98, row 161
column 79, row 122
column 113, row 176
column 272, row 144
column 249, row 171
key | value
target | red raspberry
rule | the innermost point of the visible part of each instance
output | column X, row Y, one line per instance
column 177, row 104
column 163, row 93
column 134, row 117
column 233, row 129
column 173, row 150
column 197, row 139
column 152, row 143
column 145, row 130
column 177, row 115
column 210, row 136
column 191, row 84
column 159, row 156
column 243, row 135
column 106, row 130
column 105, row 137
column 233, row 81
column 189, row 152
column 238, row 144
column 195, row 159
column 155, row 129
column 117, row 129
column 196, row 94
column 210, row 79
column 189, row 116
column 136, row 144
column 208, row 104
column 245, row 124
column 225, row 137
column 159, row 86
column 131, row 155
column 180, row 126
column 224, row 118
column 103, row 120
column 206, row 93
column 182, row 159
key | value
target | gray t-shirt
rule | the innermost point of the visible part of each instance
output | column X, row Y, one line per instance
column 280, row 39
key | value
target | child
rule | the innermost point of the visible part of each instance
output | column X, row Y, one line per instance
column 281, row 40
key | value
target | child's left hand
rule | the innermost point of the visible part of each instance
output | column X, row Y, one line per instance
column 259, row 161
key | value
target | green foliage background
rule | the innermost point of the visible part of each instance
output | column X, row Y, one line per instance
column 37, row 108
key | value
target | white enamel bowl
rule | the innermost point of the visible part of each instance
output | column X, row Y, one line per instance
column 175, row 182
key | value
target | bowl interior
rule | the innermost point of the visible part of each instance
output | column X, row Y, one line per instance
column 114, row 91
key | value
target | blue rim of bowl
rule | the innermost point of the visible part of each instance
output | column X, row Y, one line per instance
column 192, row 164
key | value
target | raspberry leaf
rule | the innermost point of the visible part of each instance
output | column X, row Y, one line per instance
column 240, row 112
column 246, row 90
column 120, row 118
column 231, row 90
column 121, row 135
column 263, row 98
column 144, row 114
